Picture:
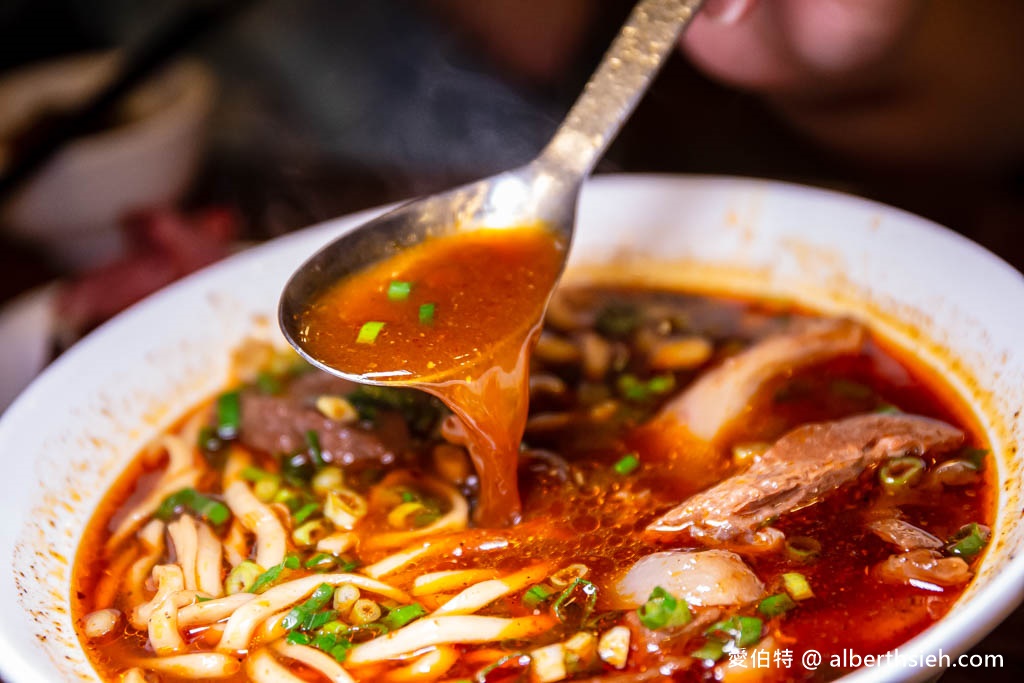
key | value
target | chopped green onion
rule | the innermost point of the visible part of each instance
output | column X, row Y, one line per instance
column 802, row 549
column 711, row 650
column 321, row 562
column 340, row 651
column 268, row 383
column 304, row 512
column 741, row 630
column 399, row 291
column 315, row 620
column 662, row 384
column 250, row 473
column 627, row 464
column 336, row 645
column 901, row 473
column 631, row 388
column 887, row 409
column 969, row 540
column 298, row 638
column 334, row 627
column 663, row 610
column 775, row 605
column 427, row 313
column 269, row 577
column 189, row 499
column 797, row 586
column 316, row 453
column 400, row 616
column 368, row 332
column 242, row 577
column 291, row 561
column 209, row 442
column 566, row 597
column 618, row 320
column 975, row 456
column 536, row 595
column 229, row 415
column 305, row 614
column 521, row 659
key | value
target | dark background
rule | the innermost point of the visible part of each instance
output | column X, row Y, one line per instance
column 329, row 106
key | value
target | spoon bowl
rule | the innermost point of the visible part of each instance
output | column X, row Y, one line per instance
column 544, row 191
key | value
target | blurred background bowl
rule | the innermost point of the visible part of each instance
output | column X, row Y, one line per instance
column 145, row 157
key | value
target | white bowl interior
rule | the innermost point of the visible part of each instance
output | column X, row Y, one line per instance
column 945, row 299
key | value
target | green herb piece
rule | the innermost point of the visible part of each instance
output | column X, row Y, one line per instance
column 521, row 659
column 631, row 388
column 188, row 499
column 298, row 638
column 266, row 579
column 321, row 562
column 969, row 541
column 291, row 561
column 316, row 453
column 901, row 473
column 802, row 549
column 399, row 291
column 305, row 614
column 313, row 621
column 888, row 409
column 976, row 457
column 663, row 610
column 533, row 597
column 255, row 474
column 627, row 464
column 340, row 650
column 211, row 446
column 776, row 605
column 566, row 598
column 229, row 415
column 662, row 384
column 420, row 411
column 268, row 384
column 242, row 578
column 427, row 313
column 400, row 616
column 712, row 650
column 618, row 320
column 797, row 586
column 368, row 332
column 744, row 631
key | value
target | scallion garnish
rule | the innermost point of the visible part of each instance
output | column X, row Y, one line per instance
column 271, row 576
column 316, row 453
column 662, row 384
column 398, row 290
column 321, row 562
column 307, row 614
column 229, row 415
column 802, row 548
column 627, row 464
column 188, row 499
column 663, row 610
column 400, row 616
column 777, row 604
column 305, row 512
column 711, row 650
column 427, row 313
column 368, row 332
column 298, row 638
column 566, row 597
column 797, row 586
column 743, row 631
column 901, row 473
column 969, row 540
column 533, row 597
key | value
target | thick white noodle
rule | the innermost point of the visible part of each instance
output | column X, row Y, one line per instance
column 211, row 611
column 168, row 580
column 151, row 538
column 197, row 665
column 314, row 659
column 480, row 595
column 238, row 459
column 185, row 539
column 236, row 543
column 444, row 631
column 133, row 675
column 450, row 580
column 259, row 519
column 208, row 562
column 427, row 667
column 240, row 626
column 455, row 519
column 164, row 637
column 169, row 483
column 263, row 667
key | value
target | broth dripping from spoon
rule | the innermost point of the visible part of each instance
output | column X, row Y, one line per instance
column 455, row 316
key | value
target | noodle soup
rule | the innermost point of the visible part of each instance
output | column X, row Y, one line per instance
column 702, row 480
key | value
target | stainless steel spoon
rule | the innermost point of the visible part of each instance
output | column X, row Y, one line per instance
column 545, row 190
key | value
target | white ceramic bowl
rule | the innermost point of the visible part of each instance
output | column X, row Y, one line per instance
column 73, row 205
column 952, row 303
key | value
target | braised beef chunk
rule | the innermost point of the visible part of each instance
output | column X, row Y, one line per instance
column 802, row 467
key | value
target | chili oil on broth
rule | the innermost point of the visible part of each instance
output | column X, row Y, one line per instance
column 457, row 316
column 578, row 508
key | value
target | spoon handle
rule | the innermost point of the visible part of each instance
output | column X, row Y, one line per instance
column 611, row 94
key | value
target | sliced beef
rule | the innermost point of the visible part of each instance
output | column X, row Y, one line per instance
column 724, row 393
column 801, row 468
column 279, row 423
